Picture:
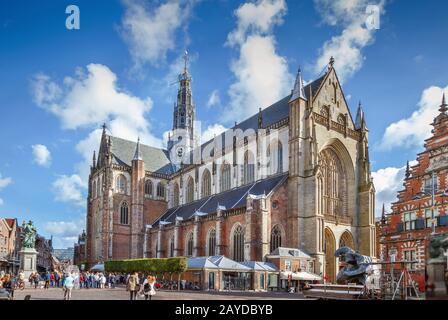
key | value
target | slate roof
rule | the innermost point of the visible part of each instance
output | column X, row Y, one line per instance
column 216, row 262
column 156, row 160
column 232, row 199
column 258, row 265
column 289, row 252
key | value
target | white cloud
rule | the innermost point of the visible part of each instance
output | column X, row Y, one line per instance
column 214, row 99
column 262, row 75
column 347, row 47
column 86, row 100
column 212, row 131
column 411, row 131
column 65, row 233
column 69, row 189
column 42, row 155
column 388, row 181
column 4, row 182
column 151, row 32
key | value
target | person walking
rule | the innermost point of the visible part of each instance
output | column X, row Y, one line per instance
column 36, row 278
column 57, row 279
column 8, row 285
column 132, row 285
column 68, row 284
column 47, row 279
column 149, row 287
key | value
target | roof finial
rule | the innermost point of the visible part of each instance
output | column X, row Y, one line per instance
column 443, row 107
column 383, row 215
column 298, row 91
column 360, row 120
column 260, row 119
column 331, row 63
column 138, row 154
column 94, row 159
column 408, row 171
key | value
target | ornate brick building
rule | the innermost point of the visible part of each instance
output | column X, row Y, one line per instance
column 420, row 210
column 295, row 174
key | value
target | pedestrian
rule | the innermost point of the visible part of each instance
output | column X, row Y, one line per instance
column 132, row 284
column 47, row 279
column 148, row 287
column 68, row 286
column 52, row 279
column 57, row 278
column 8, row 285
column 36, row 278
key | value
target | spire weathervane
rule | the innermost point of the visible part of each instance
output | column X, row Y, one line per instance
column 185, row 61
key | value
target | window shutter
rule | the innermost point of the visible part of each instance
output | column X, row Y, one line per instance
column 400, row 227
column 443, row 220
column 419, row 224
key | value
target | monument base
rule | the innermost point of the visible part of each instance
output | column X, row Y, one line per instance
column 28, row 261
column 436, row 285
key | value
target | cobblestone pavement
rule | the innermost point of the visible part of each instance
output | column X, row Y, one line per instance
column 121, row 294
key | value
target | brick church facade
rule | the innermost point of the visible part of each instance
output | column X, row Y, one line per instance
column 421, row 207
column 296, row 174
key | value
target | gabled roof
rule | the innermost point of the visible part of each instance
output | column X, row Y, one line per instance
column 258, row 265
column 289, row 252
column 156, row 160
column 216, row 262
column 232, row 199
column 11, row 222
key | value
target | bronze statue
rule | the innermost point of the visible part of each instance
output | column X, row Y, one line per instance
column 438, row 245
column 356, row 269
column 28, row 235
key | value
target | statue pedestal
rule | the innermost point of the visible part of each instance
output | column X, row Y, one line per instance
column 28, row 261
column 437, row 287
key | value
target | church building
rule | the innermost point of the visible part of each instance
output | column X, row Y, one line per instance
column 296, row 174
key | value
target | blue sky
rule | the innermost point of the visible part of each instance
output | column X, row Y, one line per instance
column 131, row 51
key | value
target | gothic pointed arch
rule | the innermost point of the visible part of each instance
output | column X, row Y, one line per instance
column 206, row 184
column 274, row 155
column 190, row 190
column 121, row 183
column 330, row 259
column 148, row 189
column 211, row 242
column 248, row 167
column 335, row 180
column 161, row 189
column 189, row 244
column 276, row 237
column 124, row 213
column 225, row 180
column 237, row 241
column 346, row 240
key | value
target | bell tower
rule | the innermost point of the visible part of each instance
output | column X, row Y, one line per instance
column 182, row 139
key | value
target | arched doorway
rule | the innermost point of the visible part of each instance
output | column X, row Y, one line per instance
column 347, row 240
column 330, row 259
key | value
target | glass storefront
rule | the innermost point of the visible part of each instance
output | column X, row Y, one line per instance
column 237, row 281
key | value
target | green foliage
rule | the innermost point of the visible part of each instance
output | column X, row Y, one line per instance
column 153, row 265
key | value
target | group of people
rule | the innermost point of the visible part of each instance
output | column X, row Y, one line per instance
column 134, row 286
column 10, row 282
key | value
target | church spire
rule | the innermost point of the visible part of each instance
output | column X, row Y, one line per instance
column 443, row 107
column 184, row 114
column 137, row 154
column 298, row 91
column 360, row 118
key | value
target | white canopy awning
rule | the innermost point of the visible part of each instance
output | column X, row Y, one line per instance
column 301, row 275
